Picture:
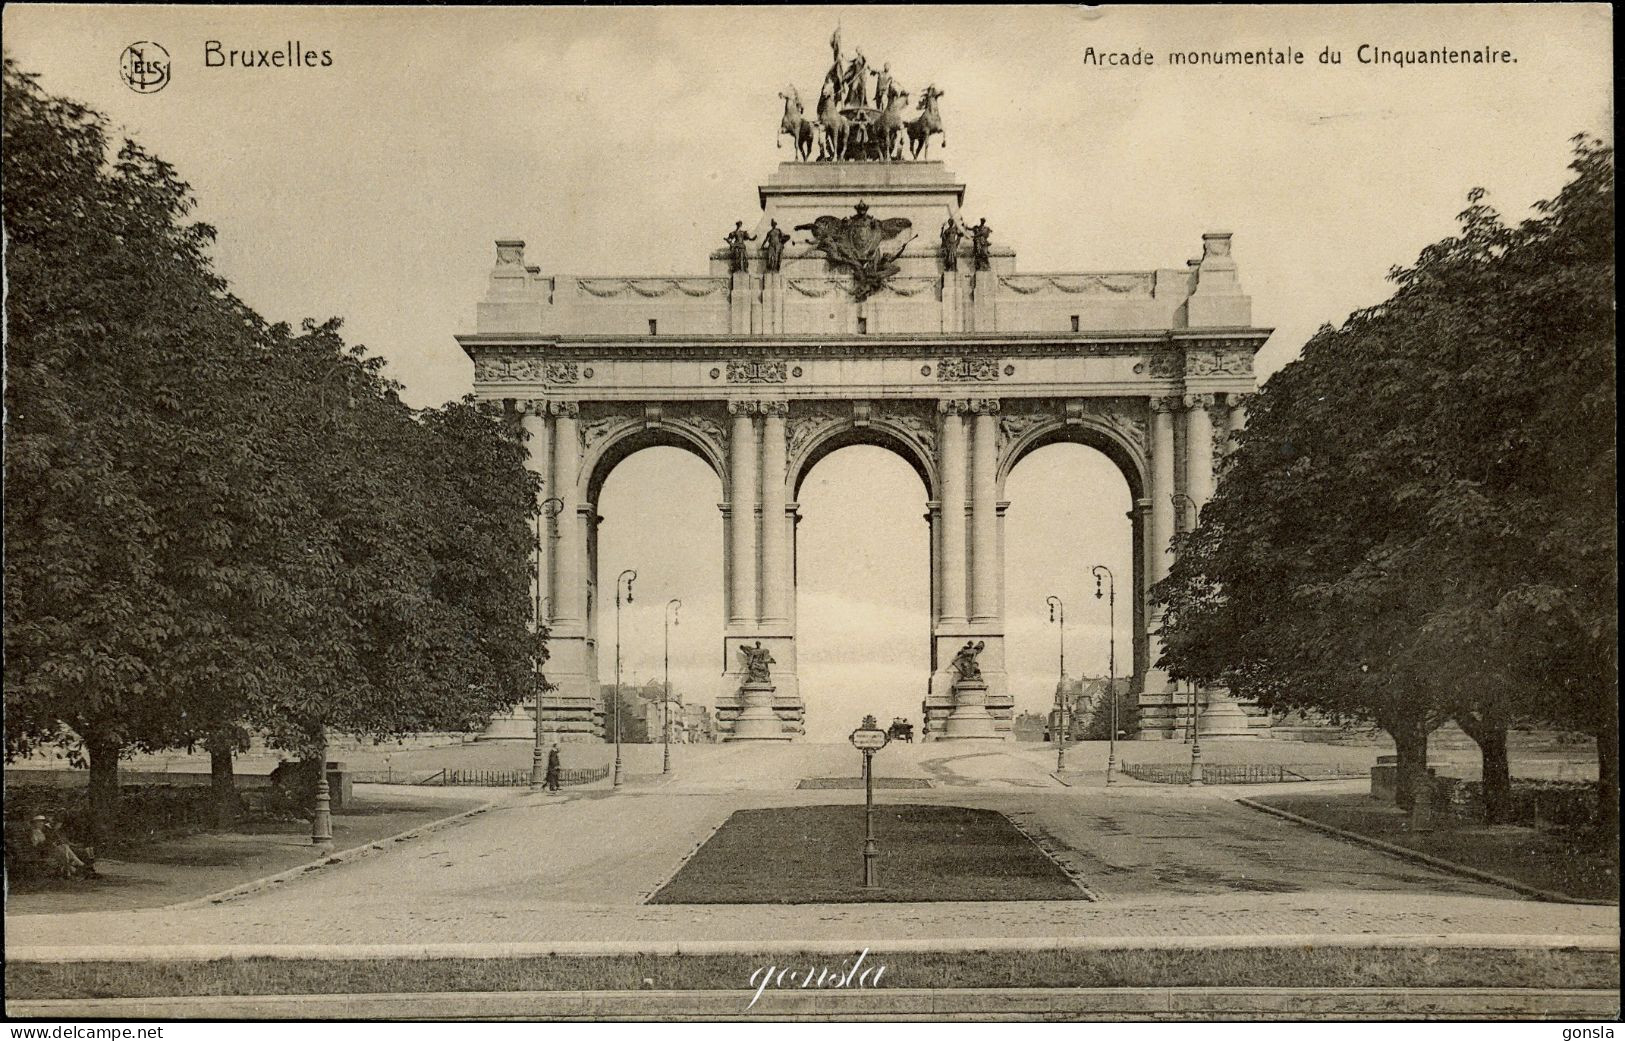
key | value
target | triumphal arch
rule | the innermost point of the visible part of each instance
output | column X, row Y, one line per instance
column 863, row 305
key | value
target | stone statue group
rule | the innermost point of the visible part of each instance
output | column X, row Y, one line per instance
column 853, row 124
column 773, row 242
column 981, row 244
column 775, row 239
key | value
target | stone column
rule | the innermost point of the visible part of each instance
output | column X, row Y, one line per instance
column 570, row 587
column 1159, row 703
column 1162, row 485
column 518, row 722
column 742, row 514
column 775, row 558
column 1199, row 449
column 984, row 512
column 953, row 512
column 573, row 711
column 1238, row 412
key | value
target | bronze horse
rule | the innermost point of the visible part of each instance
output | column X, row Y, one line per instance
column 927, row 123
column 797, row 125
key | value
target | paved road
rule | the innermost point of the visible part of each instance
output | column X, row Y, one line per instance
column 576, row 868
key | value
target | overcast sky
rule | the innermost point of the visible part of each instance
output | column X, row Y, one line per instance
column 626, row 141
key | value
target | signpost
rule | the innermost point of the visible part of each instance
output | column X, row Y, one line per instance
column 869, row 739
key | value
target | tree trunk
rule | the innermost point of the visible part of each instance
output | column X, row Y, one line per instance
column 225, row 792
column 1492, row 748
column 1608, row 772
column 104, row 794
column 1411, row 744
column 1489, row 732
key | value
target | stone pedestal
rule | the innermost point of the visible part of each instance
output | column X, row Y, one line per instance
column 757, row 721
column 969, row 721
column 1221, row 717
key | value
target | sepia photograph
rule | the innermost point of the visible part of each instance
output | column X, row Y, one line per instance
column 824, row 514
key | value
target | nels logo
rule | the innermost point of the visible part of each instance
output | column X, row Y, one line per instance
column 144, row 67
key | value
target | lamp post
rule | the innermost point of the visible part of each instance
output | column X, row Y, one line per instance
column 538, row 755
column 629, row 576
column 672, row 607
column 321, row 822
column 1111, row 668
column 1057, row 613
column 1196, row 511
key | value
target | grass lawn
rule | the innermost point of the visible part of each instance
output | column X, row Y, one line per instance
column 170, row 871
column 1273, row 967
column 813, row 854
column 1547, row 860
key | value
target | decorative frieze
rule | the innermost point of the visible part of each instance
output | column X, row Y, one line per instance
column 562, row 372
column 959, row 370
column 1218, row 363
column 1139, row 282
column 1166, row 365
column 1022, row 415
column 651, row 288
column 810, row 419
column 758, row 371
column 506, row 368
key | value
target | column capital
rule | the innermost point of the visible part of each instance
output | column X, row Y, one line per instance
column 1167, row 404
column 1203, row 401
column 757, row 407
column 1242, row 398
column 531, row 406
column 570, row 409
column 964, row 406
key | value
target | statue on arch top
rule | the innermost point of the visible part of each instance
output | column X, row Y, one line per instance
column 773, row 242
column 738, row 254
column 953, row 233
column 852, row 125
column 981, row 238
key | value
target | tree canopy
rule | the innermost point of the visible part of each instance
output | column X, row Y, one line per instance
column 216, row 523
column 1418, row 522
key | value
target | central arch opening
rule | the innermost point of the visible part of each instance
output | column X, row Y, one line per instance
column 1069, row 511
column 863, row 590
column 658, row 515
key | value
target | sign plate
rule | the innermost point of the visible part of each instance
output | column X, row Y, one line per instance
column 866, row 740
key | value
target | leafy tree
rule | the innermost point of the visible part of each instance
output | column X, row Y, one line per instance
column 1417, row 524
column 216, row 525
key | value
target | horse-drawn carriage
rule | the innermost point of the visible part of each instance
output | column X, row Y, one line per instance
column 901, row 730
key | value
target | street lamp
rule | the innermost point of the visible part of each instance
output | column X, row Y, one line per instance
column 538, row 756
column 1111, row 670
column 629, row 576
column 1196, row 511
column 672, row 607
column 1057, row 605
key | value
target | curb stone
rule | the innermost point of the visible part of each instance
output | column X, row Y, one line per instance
column 881, row 1003
column 1450, row 866
column 676, row 948
column 339, row 857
